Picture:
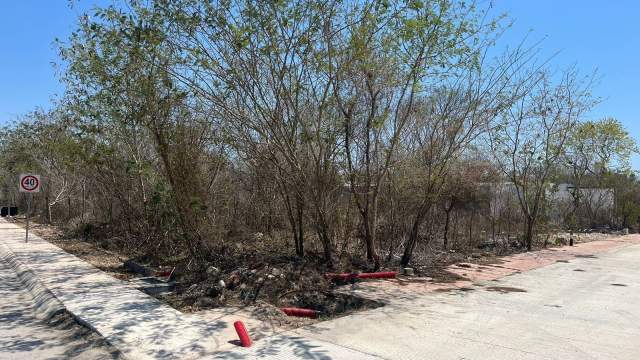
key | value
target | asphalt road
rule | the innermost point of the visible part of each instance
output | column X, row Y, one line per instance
column 22, row 336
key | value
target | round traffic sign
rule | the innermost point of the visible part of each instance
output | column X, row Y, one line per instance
column 30, row 183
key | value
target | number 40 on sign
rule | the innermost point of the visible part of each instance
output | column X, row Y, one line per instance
column 29, row 183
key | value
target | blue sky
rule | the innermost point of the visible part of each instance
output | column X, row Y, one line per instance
column 27, row 31
column 591, row 34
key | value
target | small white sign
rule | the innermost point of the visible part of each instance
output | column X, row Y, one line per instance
column 29, row 183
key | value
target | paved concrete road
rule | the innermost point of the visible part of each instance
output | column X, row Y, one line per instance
column 22, row 336
column 585, row 308
column 580, row 309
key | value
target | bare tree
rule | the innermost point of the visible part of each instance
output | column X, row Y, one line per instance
column 451, row 119
column 531, row 139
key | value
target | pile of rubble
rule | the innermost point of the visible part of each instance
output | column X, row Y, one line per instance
column 243, row 286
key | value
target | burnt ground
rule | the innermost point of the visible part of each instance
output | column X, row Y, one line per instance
column 264, row 280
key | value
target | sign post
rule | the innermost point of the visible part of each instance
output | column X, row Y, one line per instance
column 29, row 183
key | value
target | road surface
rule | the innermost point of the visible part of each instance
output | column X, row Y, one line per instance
column 584, row 308
column 22, row 336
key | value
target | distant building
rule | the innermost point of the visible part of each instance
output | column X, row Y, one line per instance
column 596, row 205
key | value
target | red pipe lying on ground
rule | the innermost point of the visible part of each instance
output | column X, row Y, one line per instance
column 348, row 276
column 245, row 340
column 300, row 312
column 378, row 275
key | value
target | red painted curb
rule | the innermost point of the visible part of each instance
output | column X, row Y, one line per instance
column 245, row 340
column 300, row 312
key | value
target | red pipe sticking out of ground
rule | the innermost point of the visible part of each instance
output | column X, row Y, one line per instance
column 301, row 312
column 245, row 340
column 348, row 276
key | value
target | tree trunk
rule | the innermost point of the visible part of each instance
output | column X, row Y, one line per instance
column 447, row 219
column 493, row 228
column 471, row 228
column 412, row 240
column 46, row 199
column 183, row 193
column 83, row 202
column 455, row 228
column 369, row 237
column 529, row 232
column 111, row 211
column 326, row 244
column 299, row 237
column 410, row 245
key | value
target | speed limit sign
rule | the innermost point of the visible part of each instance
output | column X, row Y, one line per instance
column 29, row 183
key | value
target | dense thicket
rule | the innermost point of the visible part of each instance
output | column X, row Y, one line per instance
column 341, row 128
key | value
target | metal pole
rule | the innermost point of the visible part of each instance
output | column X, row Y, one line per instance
column 26, row 238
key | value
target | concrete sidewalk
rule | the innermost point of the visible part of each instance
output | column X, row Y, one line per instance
column 138, row 325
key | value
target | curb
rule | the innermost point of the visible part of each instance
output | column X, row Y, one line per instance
column 46, row 307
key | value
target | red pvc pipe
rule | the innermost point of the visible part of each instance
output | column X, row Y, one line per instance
column 245, row 340
column 300, row 312
column 378, row 275
column 163, row 273
column 349, row 276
